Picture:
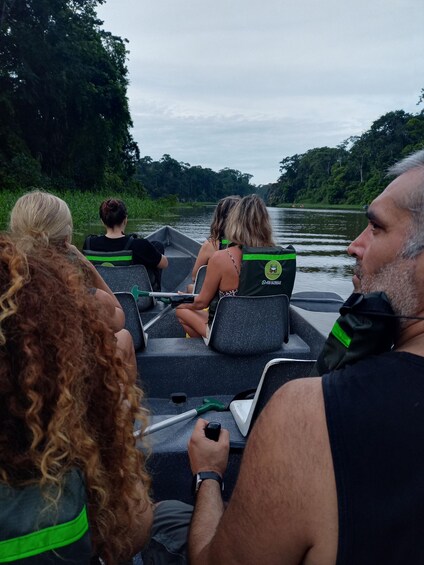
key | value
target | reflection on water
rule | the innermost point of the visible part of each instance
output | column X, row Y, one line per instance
column 320, row 238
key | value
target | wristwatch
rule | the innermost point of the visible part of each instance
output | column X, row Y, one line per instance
column 198, row 479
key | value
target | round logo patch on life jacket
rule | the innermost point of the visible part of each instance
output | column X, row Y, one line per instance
column 273, row 270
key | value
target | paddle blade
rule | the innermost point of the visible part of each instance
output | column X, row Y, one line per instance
column 317, row 301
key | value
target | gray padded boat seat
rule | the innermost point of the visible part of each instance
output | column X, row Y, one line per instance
column 249, row 325
column 276, row 373
column 200, row 279
column 132, row 319
column 123, row 279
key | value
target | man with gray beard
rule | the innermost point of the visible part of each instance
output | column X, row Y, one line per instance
column 333, row 471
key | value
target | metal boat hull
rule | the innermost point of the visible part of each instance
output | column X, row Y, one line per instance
column 174, row 367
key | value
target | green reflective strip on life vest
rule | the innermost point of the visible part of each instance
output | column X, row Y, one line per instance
column 341, row 335
column 225, row 241
column 267, row 257
column 109, row 258
column 49, row 538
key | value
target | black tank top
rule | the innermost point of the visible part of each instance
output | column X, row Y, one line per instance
column 375, row 419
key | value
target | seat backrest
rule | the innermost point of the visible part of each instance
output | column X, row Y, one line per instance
column 133, row 321
column 276, row 373
column 200, row 279
column 250, row 325
column 109, row 258
column 121, row 257
column 267, row 271
column 123, row 279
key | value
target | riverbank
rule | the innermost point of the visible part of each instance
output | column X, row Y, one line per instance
column 84, row 206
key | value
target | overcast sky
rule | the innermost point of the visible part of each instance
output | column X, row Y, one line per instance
column 245, row 83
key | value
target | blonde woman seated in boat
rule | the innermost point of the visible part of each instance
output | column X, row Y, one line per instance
column 248, row 224
column 216, row 239
column 41, row 219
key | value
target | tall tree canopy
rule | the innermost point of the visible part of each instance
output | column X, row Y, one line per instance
column 64, row 117
column 355, row 171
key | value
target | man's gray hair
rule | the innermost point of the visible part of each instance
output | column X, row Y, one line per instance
column 414, row 202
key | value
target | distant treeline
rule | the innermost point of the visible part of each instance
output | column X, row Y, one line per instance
column 167, row 177
column 355, row 171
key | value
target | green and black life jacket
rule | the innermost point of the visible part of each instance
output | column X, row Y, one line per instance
column 35, row 532
column 267, row 271
column 113, row 258
column 264, row 271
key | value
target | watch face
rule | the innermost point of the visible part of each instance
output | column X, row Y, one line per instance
column 200, row 477
column 198, row 482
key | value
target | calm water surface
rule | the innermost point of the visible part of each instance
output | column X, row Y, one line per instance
column 320, row 238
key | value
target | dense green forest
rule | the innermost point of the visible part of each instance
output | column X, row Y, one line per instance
column 354, row 172
column 64, row 117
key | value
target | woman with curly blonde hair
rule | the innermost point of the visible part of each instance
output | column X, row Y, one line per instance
column 62, row 415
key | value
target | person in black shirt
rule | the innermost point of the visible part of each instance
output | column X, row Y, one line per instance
column 114, row 216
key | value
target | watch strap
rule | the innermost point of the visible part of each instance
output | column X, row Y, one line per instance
column 198, row 478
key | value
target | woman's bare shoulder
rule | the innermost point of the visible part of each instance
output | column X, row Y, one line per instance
column 223, row 256
column 210, row 245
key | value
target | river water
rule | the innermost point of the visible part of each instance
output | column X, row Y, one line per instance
column 320, row 238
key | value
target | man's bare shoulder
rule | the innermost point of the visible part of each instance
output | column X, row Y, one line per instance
column 287, row 471
column 300, row 397
column 293, row 422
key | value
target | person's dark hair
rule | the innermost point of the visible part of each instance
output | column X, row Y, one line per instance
column 249, row 223
column 112, row 212
column 223, row 208
column 66, row 400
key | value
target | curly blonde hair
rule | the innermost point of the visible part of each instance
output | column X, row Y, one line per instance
column 61, row 393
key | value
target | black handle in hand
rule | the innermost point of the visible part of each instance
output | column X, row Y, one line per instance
column 212, row 430
column 181, row 299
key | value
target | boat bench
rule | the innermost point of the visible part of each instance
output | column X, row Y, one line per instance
column 189, row 366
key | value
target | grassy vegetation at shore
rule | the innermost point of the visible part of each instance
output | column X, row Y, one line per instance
column 84, row 206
